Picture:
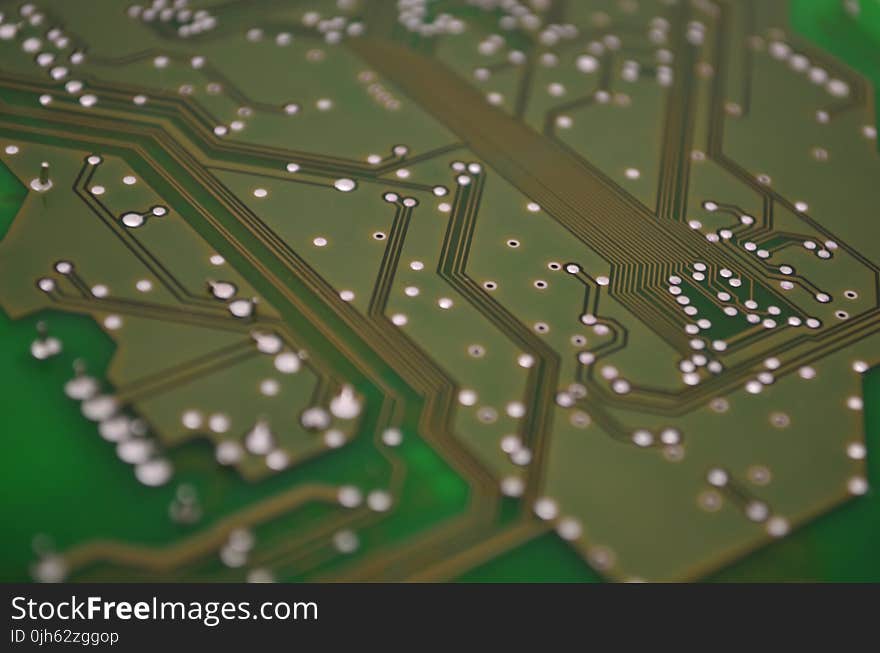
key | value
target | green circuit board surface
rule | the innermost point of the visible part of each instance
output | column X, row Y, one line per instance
column 435, row 290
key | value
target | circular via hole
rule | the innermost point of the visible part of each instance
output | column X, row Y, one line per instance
column 710, row 500
column 540, row 284
column 850, row 294
column 780, row 420
column 477, row 351
column 513, row 243
column 553, row 265
column 841, row 315
column 490, row 285
column 379, row 235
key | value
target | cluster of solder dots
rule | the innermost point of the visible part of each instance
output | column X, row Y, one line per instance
column 334, row 28
column 823, row 251
column 238, row 124
column 415, row 16
column 47, row 285
column 189, row 22
column 43, row 57
column 758, row 511
column 378, row 91
column 347, row 185
column 131, row 219
column 587, row 63
column 855, row 450
column 699, row 275
column 239, row 308
column 260, row 439
column 755, row 510
column 468, row 396
column 128, row 434
column 465, row 173
column 800, row 63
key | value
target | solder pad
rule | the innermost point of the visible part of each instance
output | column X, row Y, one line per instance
column 387, row 290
